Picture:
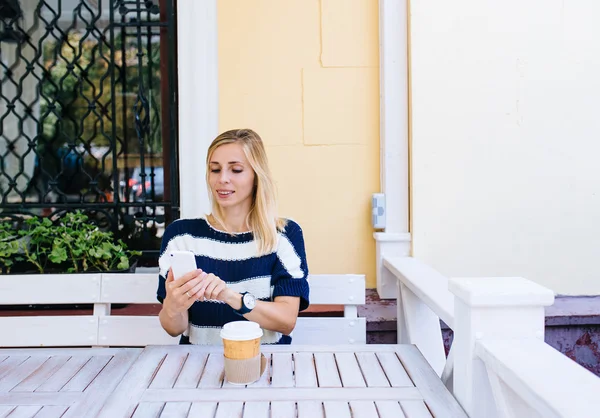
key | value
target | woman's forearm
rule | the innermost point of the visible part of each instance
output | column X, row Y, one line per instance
column 175, row 323
column 279, row 315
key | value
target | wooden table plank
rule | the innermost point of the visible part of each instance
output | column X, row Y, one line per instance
column 42, row 374
column 203, row 409
column 11, row 363
column 394, row 370
column 337, row 409
column 280, row 394
column 214, row 372
column 230, row 410
column 125, row 397
column 372, row 370
column 52, row 412
column 389, row 409
column 283, row 370
column 363, row 409
column 20, row 372
column 256, row 410
column 310, row 409
column 25, row 411
column 87, row 374
column 176, row 410
column 148, row 410
column 169, row 370
column 416, row 409
column 41, row 399
column 349, row 370
column 59, row 379
column 436, row 396
column 5, row 410
column 103, row 384
column 327, row 371
column 282, row 409
column 192, row 370
column 306, row 374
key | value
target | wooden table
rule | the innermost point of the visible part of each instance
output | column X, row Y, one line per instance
column 60, row 382
column 181, row 381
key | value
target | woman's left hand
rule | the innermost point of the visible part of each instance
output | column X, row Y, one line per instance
column 212, row 288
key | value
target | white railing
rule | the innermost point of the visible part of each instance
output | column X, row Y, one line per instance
column 499, row 365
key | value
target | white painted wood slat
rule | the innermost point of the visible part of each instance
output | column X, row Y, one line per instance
column 415, row 409
column 34, row 331
column 133, row 331
column 176, row 410
column 17, row 374
column 306, row 374
column 189, row 377
column 283, row 409
column 283, row 370
column 214, row 372
column 394, row 370
column 229, row 410
column 436, row 396
column 49, row 289
column 371, row 370
column 127, row 394
column 349, row 370
column 25, row 411
column 389, row 409
column 310, row 409
column 52, row 412
column 5, row 410
column 327, row 371
column 148, row 410
column 337, row 409
column 169, row 371
column 59, row 379
column 203, row 409
column 87, row 374
column 41, row 375
column 330, row 331
column 10, row 363
column 363, row 409
column 256, row 409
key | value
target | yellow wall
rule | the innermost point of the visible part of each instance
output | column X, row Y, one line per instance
column 304, row 75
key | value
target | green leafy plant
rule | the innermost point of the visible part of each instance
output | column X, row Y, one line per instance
column 9, row 247
column 73, row 244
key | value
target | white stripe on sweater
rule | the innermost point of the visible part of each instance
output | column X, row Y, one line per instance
column 289, row 258
column 200, row 335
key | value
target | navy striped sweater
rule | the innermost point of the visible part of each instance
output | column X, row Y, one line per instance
column 234, row 259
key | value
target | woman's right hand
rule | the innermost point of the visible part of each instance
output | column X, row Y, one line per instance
column 182, row 293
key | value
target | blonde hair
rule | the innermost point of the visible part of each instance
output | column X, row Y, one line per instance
column 262, row 218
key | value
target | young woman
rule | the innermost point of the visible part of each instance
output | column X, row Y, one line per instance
column 251, row 263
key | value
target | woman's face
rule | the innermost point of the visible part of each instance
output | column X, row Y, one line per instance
column 231, row 178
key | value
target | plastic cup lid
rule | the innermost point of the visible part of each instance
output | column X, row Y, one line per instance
column 241, row 330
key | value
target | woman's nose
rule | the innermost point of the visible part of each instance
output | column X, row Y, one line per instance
column 224, row 178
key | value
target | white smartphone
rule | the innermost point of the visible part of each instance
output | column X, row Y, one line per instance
column 182, row 262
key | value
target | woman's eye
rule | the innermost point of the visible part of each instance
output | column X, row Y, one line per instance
column 237, row 171
column 215, row 170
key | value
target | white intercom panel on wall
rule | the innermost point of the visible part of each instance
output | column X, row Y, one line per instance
column 378, row 211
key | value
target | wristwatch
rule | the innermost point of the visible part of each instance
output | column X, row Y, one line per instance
column 248, row 303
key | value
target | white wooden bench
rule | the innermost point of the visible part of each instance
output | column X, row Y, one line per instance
column 102, row 328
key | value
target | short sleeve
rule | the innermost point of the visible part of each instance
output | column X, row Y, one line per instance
column 290, row 273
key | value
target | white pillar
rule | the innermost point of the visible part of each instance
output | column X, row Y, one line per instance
column 393, row 82
column 198, row 99
column 491, row 308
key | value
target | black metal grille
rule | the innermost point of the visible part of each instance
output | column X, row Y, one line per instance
column 87, row 114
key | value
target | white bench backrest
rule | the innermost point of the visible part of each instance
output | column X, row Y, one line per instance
column 104, row 329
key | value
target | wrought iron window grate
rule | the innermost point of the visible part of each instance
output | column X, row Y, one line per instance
column 87, row 114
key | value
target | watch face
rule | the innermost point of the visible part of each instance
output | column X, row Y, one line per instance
column 249, row 301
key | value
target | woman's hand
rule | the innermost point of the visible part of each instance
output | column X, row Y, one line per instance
column 212, row 288
column 183, row 292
